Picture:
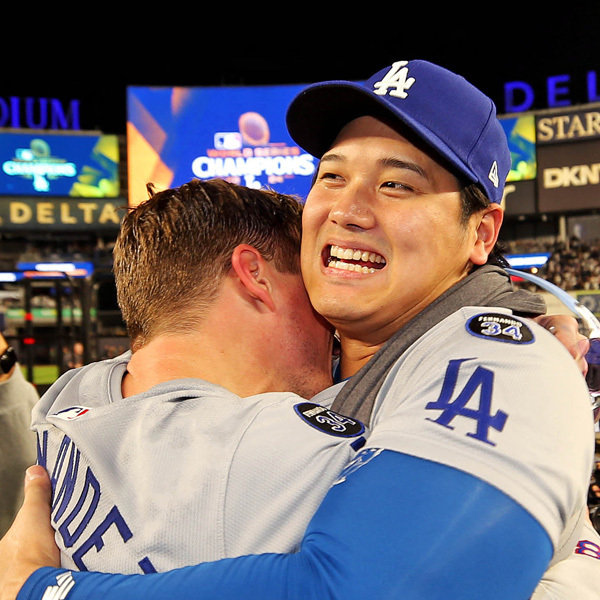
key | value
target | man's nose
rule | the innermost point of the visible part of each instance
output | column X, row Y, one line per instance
column 353, row 208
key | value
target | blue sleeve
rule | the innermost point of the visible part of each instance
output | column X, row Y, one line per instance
column 397, row 527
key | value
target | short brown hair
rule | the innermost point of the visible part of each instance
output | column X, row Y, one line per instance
column 174, row 248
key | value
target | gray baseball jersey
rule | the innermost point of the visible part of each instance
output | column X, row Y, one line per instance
column 183, row 473
column 463, row 396
column 500, row 398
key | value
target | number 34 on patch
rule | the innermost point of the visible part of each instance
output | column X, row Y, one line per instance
column 503, row 328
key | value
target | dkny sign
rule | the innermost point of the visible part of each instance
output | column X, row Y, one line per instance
column 568, row 157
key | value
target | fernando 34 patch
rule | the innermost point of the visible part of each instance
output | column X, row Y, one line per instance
column 497, row 326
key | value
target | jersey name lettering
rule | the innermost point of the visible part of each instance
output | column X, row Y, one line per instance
column 588, row 549
column 72, row 513
column 482, row 381
column 396, row 78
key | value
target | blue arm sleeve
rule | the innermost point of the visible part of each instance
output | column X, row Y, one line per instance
column 397, row 527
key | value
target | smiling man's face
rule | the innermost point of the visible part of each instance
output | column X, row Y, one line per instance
column 382, row 232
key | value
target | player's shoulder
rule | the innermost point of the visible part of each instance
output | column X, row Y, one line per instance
column 297, row 414
column 90, row 384
column 498, row 325
column 499, row 330
column 476, row 331
column 512, row 347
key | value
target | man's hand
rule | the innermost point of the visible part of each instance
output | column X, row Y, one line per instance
column 566, row 330
column 29, row 543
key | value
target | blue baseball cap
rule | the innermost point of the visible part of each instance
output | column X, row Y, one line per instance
column 450, row 115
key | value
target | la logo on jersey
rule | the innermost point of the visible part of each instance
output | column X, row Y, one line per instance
column 396, row 78
column 454, row 402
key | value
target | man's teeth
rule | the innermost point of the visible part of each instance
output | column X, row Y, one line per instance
column 349, row 254
column 338, row 264
column 343, row 254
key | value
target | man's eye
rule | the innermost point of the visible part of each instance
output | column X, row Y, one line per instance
column 330, row 176
column 396, row 185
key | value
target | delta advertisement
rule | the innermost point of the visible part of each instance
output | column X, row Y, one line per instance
column 59, row 181
column 175, row 134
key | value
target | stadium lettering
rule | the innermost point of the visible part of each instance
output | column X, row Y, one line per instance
column 205, row 167
column 557, row 177
column 38, row 113
column 40, row 169
column 567, row 127
column 68, row 213
column 519, row 96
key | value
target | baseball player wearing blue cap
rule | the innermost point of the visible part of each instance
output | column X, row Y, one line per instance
column 474, row 478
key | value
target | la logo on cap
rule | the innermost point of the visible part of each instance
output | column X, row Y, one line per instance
column 396, row 77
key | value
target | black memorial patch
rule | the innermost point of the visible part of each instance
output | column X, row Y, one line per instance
column 328, row 421
column 500, row 327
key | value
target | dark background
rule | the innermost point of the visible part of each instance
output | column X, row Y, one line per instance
column 92, row 57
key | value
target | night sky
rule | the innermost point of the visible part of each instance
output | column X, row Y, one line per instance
column 94, row 63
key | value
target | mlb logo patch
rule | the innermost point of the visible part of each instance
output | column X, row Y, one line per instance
column 69, row 414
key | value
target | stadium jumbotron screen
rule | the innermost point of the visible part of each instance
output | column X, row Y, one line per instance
column 175, row 134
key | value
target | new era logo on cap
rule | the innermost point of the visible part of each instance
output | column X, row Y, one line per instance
column 493, row 174
column 455, row 119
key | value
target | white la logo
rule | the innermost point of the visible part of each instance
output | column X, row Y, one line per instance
column 396, row 77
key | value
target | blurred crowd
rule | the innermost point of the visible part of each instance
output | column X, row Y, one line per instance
column 573, row 265
column 98, row 251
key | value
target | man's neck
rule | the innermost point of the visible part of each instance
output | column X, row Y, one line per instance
column 354, row 355
column 243, row 371
column 181, row 357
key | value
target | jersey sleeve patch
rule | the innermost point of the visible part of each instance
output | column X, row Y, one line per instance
column 500, row 327
column 328, row 421
column 69, row 414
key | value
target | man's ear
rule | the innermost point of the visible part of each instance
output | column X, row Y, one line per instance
column 488, row 229
column 254, row 274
